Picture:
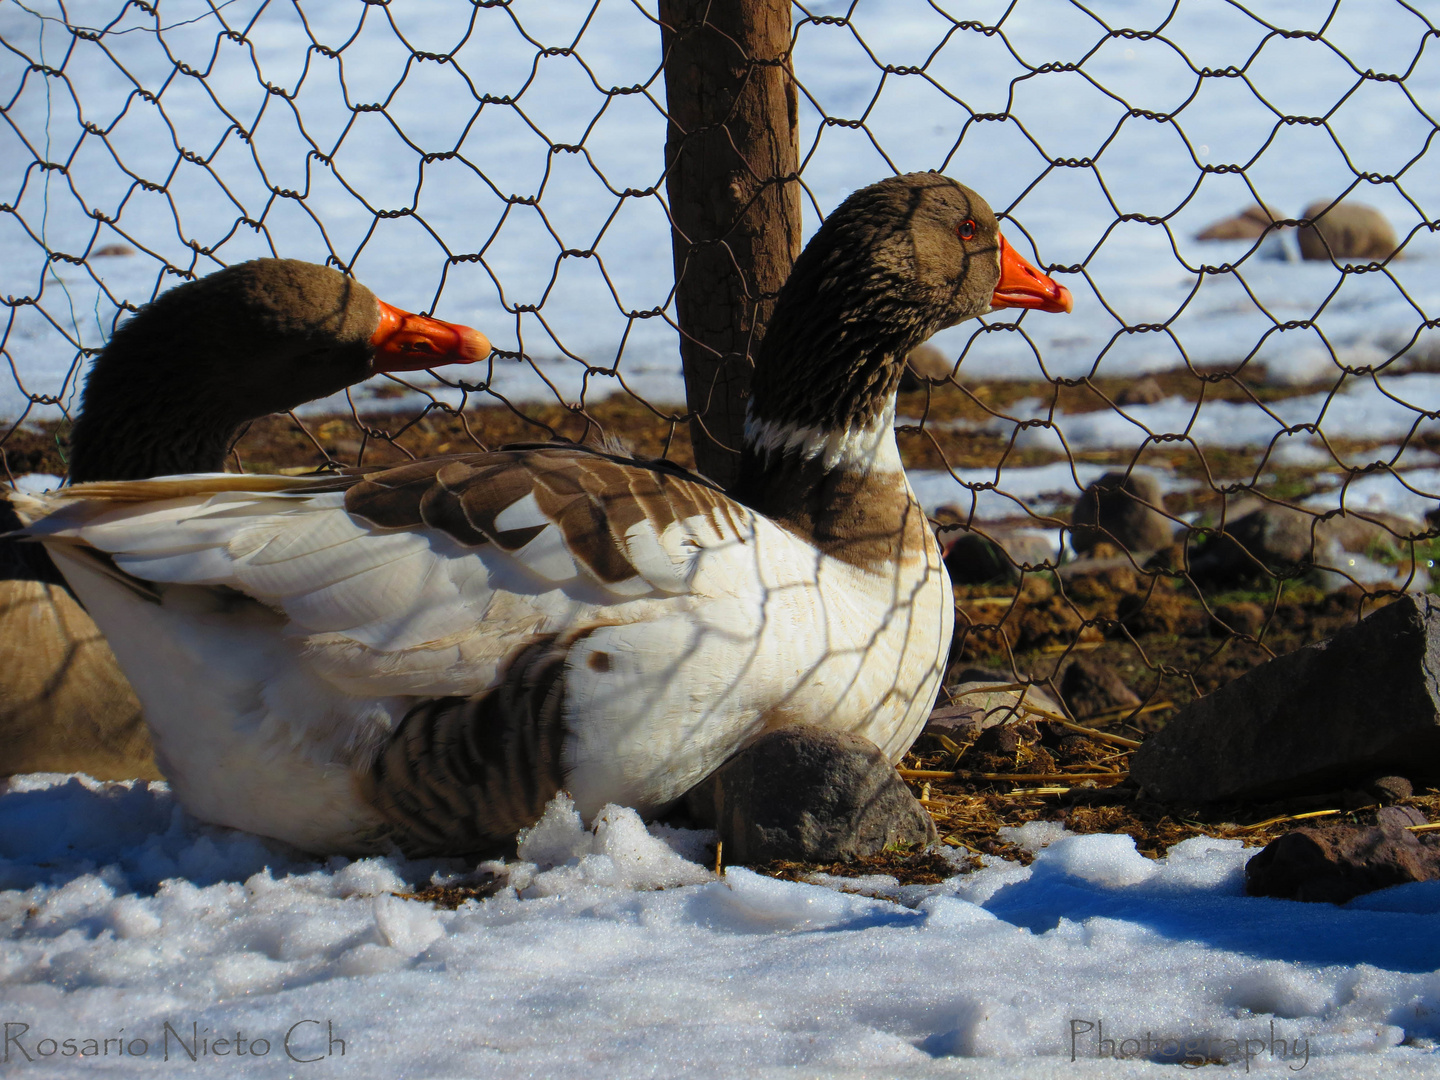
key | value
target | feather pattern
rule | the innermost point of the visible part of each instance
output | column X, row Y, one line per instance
column 350, row 604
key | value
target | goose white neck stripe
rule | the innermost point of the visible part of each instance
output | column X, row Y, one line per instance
column 858, row 448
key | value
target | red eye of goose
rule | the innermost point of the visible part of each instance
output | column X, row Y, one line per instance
column 966, row 230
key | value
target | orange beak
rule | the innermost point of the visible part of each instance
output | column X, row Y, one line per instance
column 407, row 342
column 1021, row 285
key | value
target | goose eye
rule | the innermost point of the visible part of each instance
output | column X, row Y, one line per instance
column 966, row 230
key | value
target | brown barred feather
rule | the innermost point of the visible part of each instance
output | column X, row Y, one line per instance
column 463, row 775
column 594, row 499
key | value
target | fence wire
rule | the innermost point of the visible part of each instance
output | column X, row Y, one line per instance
column 1238, row 435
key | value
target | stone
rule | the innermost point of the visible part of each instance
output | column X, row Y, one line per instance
column 1336, row 863
column 1278, row 539
column 1346, row 231
column 976, row 559
column 925, row 364
column 1090, row 687
column 1391, row 789
column 1125, row 510
column 1002, row 706
column 1248, row 224
column 1241, row 617
column 1361, row 704
column 808, row 794
column 1144, row 391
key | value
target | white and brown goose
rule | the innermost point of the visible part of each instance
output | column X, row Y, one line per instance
column 426, row 655
column 168, row 394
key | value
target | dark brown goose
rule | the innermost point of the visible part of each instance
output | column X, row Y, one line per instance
column 168, row 395
column 428, row 654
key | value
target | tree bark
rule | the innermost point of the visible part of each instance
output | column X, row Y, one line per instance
column 732, row 164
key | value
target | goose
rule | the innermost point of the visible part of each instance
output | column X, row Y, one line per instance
column 168, row 394
column 422, row 657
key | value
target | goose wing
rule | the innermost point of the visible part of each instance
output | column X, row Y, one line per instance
column 420, row 579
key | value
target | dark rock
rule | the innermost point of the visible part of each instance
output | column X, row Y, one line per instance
column 1279, row 539
column 808, row 794
column 1399, row 817
column 1090, row 687
column 1144, row 391
column 1363, row 703
column 1127, row 511
column 976, row 559
column 1243, row 617
column 925, row 364
column 1336, row 863
column 1346, row 231
column 1246, row 225
column 1390, row 789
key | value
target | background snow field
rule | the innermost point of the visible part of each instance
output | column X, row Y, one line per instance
column 517, row 185
column 614, row 954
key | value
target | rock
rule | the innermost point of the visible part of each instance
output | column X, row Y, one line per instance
column 1126, row 510
column 1336, row 863
column 1391, row 789
column 1242, row 617
column 809, row 794
column 1363, row 703
column 1346, row 231
column 925, row 364
column 1090, row 687
column 1246, row 225
column 975, row 559
column 1278, row 539
column 1002, row 706
column 1144, row 391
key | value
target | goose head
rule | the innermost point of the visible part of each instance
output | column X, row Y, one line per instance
column 892, row 265
column 169, row 390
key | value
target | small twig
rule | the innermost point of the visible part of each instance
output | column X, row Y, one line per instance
column 719, row 848
column 1126, row 712
column 1289, row 817
column 1031, row 778
column 1424, row 828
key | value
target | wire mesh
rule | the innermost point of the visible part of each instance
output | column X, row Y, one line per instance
column 502, row 164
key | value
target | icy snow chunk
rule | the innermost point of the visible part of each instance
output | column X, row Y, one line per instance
column 1205, row 862
column 368, row 877
column 996, row 874
column 406, row 926
column 1106, row 860
column 1033, row 835
column 643, row 860
column 951, row 913
column 620, row 853
column 37, row 483
column 75, row 900
column 983, row 1028
column 557, row 837
column 753, row 903
column 132, row 917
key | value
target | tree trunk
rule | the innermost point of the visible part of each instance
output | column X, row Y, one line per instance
column 732, row 163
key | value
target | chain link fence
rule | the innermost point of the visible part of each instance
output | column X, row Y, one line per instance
column 1242, row 429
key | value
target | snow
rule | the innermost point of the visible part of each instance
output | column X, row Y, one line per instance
column 617, row 952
